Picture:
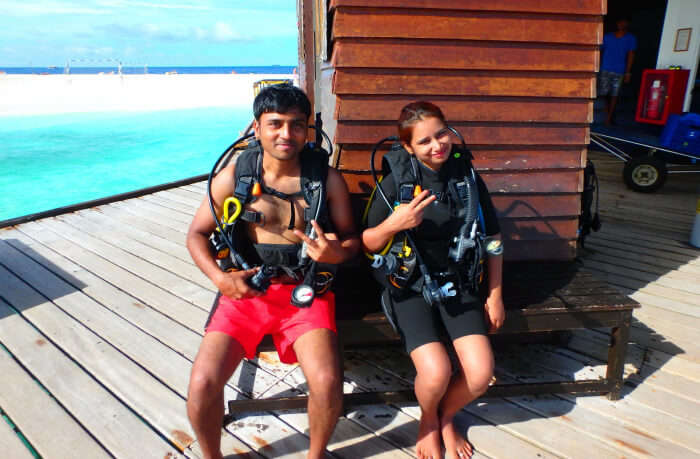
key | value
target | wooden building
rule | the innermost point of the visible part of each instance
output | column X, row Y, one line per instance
column 515, row 77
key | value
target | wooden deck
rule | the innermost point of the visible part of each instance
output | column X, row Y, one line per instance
column 101, row 315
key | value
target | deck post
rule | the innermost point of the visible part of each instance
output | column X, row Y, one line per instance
column 616, row 355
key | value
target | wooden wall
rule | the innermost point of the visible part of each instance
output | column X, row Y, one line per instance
column 515, row 77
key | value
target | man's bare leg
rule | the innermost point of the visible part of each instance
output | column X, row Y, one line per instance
column 216, row 360
column 476, row 359
column 319, row 358
column 433, row 370
column 610, row 109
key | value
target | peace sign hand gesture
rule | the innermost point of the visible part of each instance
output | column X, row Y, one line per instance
column 410, row 215
column 325, row 248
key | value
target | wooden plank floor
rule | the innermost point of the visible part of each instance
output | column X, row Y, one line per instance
column 101, row 314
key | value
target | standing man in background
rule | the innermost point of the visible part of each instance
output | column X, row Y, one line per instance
column 616, row 64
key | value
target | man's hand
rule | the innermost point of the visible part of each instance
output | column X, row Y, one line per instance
column 326, row 248
column 407, row 216
column 233, row 284
column 495, row 312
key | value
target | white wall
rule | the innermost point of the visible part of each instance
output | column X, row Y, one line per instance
column 681, row 14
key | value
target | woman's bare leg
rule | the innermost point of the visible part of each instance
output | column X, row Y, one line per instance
column 476, row 361
column 433, row 370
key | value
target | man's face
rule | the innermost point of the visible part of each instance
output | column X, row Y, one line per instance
column 282, row 135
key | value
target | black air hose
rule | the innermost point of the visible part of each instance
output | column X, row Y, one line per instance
column 464, row 240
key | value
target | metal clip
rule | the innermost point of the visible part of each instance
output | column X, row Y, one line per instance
column 448, row 290
column 377, row 261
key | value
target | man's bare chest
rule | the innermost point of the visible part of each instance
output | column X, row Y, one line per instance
column 277, row 214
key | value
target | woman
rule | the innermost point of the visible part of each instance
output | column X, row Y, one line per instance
column 432, row 218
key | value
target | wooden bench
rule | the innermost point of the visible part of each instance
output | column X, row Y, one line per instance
column 539, row 297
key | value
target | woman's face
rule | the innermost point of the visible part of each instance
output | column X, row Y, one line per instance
column 431, row 142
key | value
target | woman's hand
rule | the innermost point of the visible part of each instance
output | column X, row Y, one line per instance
column 404, row 217
column 495, row 312
column 233, row 284
column 407, row 216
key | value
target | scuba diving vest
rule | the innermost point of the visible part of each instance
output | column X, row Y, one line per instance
column 314, row 172
column 275, row 259
column 395, row 266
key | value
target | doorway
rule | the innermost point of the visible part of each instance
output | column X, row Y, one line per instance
column 646, row 19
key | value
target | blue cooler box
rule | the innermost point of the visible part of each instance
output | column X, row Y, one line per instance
column 682, row 133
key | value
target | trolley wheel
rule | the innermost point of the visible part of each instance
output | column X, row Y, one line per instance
column 646, row 174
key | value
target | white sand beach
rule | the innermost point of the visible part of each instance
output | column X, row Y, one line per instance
column 53, row 94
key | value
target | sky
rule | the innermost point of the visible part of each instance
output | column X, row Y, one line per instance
column 156, row 33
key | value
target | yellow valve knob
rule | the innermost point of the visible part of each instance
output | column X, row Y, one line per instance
column 417, row 190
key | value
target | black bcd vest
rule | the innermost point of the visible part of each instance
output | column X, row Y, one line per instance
column 462, row 192
column 313, row 176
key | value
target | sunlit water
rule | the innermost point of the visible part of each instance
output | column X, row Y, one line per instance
column 51, row 161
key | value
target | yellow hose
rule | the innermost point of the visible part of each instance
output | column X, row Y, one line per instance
column 232, row 200
column 385, row 250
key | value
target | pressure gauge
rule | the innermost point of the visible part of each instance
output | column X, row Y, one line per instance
column 302, row 296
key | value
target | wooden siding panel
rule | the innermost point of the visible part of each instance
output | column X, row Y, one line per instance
column 447, row 54
column 517, row 182
column 305, row 47
column 387, row 108
column 522, row 158
column 539, row 230
column 597, row 7
column 515, row 77
column 560, row 249
column 463, row 83
column 356, row 157
column 461, row 25
column 518, row 205
column 542, row 205
column 563, row 181
column 475, row 134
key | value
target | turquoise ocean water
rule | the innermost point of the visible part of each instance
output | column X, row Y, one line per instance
column 50, row 161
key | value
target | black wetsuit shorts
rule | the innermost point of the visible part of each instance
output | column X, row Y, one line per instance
column 421, row 324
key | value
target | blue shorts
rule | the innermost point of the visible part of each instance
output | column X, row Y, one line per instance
column 609, row 83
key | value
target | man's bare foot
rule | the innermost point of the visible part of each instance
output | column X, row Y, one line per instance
column 428, row 445
column 456, row 446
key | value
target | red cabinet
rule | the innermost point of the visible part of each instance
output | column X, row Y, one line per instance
column 661, row 94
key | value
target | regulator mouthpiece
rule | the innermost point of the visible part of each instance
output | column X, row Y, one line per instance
column 261, row 280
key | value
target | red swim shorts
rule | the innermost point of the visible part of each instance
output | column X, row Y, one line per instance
column 248, row 320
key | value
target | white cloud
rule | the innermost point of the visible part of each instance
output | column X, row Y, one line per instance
column 219, row 32
column 88, row 52
column 11, row 8
column 99, row 7
column 224, row 32
column 129, row 4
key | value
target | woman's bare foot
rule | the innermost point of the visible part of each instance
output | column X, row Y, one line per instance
column 456, row 446
column 428, row 445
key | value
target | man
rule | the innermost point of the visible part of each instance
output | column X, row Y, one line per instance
column 244, row 314
column 618, row 55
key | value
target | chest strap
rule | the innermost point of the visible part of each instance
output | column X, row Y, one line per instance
column 286, row 197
